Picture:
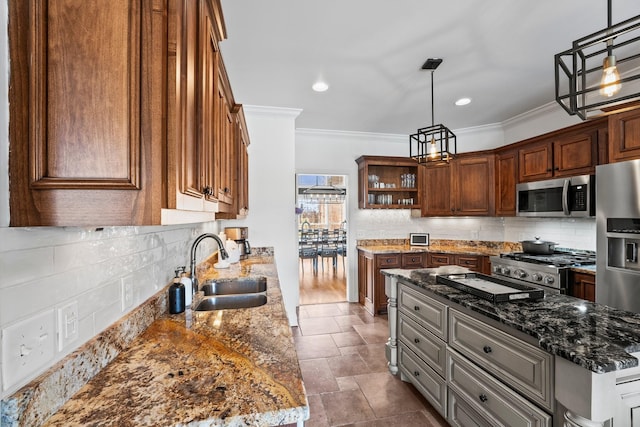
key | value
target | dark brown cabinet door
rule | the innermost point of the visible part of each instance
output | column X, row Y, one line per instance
column 436, row 190
column 575, row 154
column 624, row 136
column 584, row 286
column 535, row 162
column 473, row 185
column 506, row 175
column 87, row 99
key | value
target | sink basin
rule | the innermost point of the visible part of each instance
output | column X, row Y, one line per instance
column 245, row 285
column 225, row 302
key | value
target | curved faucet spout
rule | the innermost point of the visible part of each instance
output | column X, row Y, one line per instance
column 223, row 255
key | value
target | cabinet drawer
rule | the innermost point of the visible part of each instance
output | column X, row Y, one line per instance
column 429, row 313
column 413, row 260
column 461, row 414
column 436, row 260
column 490, row 398
column 388, row 261
column 523, row 366
column 430, row 348
column 472, row 262
column 425, row 379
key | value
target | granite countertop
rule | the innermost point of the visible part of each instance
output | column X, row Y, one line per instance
column 485, row 248
column 225, row 367
column 596, row 337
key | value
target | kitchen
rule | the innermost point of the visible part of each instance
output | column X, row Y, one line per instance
column 274, row 136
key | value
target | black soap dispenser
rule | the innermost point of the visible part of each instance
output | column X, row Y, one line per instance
column 176, row 295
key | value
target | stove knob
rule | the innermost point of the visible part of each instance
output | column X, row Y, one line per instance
column 537, row 277
column 506, row 271
column 549, row 280
column 520, row 273
column 497, row 269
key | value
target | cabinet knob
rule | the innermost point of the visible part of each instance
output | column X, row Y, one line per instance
column 207, row 191
column 416, row 340
column 416, row 308
column 483, row 398
column 226, row 189
column 487, row 349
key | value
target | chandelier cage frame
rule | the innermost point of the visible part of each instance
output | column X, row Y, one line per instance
column 578, row 70
column 440, row 136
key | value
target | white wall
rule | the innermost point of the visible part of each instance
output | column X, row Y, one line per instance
column 271, row 219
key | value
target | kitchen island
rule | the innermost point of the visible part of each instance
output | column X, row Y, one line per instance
column 571, row 361
column 224, row 368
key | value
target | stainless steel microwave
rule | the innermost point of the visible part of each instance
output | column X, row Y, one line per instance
column 562, row 197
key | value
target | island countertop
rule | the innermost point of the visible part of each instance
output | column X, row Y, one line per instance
column 594, row 336
column 225, row 367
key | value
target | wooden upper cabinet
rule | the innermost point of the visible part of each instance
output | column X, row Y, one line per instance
column 386, row 182
column 624, row 136
column 572, row 151
column 474, row 189
column 505, row 182
column 115, row 113
column 465, row 186
column 224, row 140
column 87, row 100
column 436, row 190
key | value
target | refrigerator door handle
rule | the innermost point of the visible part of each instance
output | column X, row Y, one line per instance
column 565, row 196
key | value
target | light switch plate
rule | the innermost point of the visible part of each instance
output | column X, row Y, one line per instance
column 67, row 325
column 27, row 346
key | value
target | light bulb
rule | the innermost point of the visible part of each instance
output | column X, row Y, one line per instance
column 433, row 150
column 610, row 83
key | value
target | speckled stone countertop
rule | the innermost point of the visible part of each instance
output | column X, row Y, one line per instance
column 596, row 337
column 472, row 247
column 224, row 368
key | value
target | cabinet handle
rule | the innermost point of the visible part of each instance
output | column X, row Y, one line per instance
column 416, row 308
column 226, row 189
column 487, row 349
column 389, row 260
column 483, row 398
column 207, row 191
column 416, row 374
column 416, row 340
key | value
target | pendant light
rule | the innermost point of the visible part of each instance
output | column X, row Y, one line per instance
column 435, row 142
column 601, row 70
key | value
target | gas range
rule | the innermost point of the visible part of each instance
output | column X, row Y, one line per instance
column 550, row 270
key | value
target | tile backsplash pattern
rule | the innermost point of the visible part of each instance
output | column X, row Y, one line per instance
column 46, row 268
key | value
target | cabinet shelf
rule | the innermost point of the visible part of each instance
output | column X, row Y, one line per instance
column 402, row 173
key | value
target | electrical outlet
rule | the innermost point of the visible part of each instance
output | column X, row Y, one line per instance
column 67, row 325
column 126, row 292
column 27, row 346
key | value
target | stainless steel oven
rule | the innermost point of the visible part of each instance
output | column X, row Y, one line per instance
column 549, row 271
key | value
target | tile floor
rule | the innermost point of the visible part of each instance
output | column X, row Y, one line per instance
column 341, row 351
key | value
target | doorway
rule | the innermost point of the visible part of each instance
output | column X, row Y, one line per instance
column 321, row 211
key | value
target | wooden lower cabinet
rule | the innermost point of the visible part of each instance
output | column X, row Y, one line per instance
column 583, row 285
column 371, row 281
column 479, row 263
column 471, row 372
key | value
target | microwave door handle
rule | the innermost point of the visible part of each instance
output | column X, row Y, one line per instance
column 565, row 196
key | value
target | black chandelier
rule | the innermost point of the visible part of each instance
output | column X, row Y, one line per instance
column 600, row 70
column 435, row 142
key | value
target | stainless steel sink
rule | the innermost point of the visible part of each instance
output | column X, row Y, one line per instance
column 244, row 285
column 225, row 302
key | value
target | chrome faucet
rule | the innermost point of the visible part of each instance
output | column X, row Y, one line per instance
column 223, row 255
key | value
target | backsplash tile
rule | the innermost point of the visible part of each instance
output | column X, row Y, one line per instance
column 47, row 267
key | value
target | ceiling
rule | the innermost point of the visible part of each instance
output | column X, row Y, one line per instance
column 499, row 53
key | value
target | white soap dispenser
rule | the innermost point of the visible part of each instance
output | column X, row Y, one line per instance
column 188, row 287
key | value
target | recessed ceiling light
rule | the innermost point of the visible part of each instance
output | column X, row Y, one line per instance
column 463, row 101
column 320, row 86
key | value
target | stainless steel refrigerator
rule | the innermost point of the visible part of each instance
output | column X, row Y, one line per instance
column 618, row 235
